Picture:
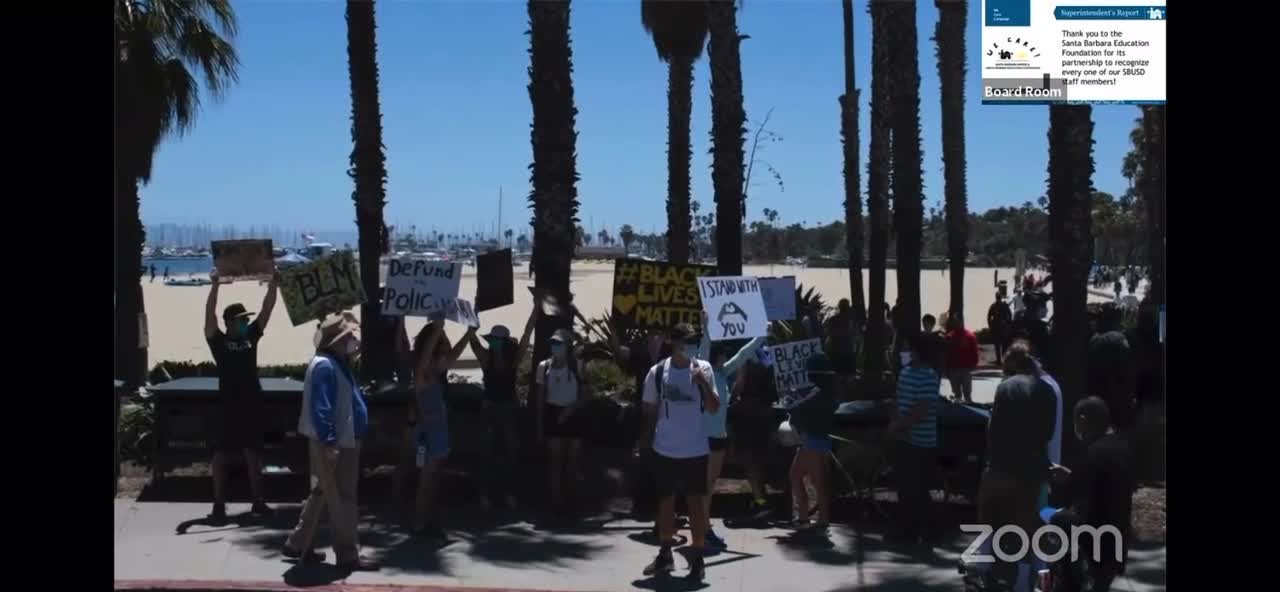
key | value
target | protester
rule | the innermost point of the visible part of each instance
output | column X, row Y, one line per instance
column 962, row 358
column 916, row 427
column 812, row 416
column 237, row 420
column 166, row 273
column 153, row 274
column 841, row 333
column 334, row 418
column 1111, row 369
column 636, row 360
column 561, row 393
column 676, row 393
column 499, row 362
column 936, row 346
column 724, row 367
column 999, row 320
column 433, row 357
column 754, row 423
column 1100, row 488
column 1018, row 436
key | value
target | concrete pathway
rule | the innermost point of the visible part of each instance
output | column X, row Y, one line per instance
column 165, row 546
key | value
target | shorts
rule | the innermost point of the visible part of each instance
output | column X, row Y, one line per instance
column 818, row 442
column 435, row 437
column 679, row 475
column 551, row 426
column 718, row 444
column 236, row 428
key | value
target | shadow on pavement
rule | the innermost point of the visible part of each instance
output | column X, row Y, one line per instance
column 310, row 575
column 281, row 518
column 675, row 583
column 901, row 583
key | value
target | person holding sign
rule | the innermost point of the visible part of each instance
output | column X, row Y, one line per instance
column 237, row 420
column 723, row 366
column 812, row 415
column 501, row 406
column 560, row 393
column 333, row 419
column 676, row 393
column 433, row 359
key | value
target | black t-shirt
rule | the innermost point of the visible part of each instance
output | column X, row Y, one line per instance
column 1023, row 417
column 237, row 361
column 1101, row 489
column 1110, row 363
column 998, row 316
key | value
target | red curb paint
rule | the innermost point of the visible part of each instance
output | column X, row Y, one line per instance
column 213, row 586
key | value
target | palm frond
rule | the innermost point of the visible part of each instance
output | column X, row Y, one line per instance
column 202, row 48
column 679, row 27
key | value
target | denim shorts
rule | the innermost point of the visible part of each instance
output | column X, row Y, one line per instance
column 436, row 438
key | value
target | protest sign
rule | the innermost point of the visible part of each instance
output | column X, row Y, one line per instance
column 326, row 285
column 495, row 281
column 779, row 297
column 459, row 311
column 734, row 307
column 249, row 259
column 420, row 288
column 789, row 363
column 656, row 294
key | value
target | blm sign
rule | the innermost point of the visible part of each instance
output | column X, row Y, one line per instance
column 789, row 363
column 326, row 285
column 656, row 294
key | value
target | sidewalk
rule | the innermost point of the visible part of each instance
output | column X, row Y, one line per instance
column 162, row 546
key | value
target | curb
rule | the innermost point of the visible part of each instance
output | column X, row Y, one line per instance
column 228, row 586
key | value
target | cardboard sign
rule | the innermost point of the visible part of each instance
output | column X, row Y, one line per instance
column 420, row 288
column 779, row 297
column 249, row 259
column 327, row 285
column 459, row 311
column 789, row 363
column 495, row 280
column 656, row 294
column 734, row 307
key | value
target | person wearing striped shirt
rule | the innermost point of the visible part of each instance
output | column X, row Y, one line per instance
column 916, row 428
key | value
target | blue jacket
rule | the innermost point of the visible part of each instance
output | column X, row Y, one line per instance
column 324, row 407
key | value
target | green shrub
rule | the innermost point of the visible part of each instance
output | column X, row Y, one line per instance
column 137, row 421
column 606, row 379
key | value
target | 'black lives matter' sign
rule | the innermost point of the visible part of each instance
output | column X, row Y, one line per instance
column 326, row 285
column 657, row 294
column 790, row 363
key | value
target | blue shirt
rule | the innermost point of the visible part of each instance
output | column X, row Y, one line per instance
column 325, row 378
column 919, row 385
column 715, row 422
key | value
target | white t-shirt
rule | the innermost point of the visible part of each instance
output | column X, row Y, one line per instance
column 562, row 386
column 681, row 432
column 1055, row 443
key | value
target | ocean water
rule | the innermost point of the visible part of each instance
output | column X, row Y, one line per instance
column 179, row 267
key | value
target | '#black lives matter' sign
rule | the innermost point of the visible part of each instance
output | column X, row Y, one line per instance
column 657, row 294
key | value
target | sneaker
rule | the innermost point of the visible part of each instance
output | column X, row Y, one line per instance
column 697, row 569
column 797, row 524
column 714, row 542
column 261, row 509
column 358, row 564
column 307, row 557
column 219, row 514
column 662, row 565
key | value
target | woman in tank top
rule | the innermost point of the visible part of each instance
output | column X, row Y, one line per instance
column 433, row 358
column 560, row 393
column 499, row 361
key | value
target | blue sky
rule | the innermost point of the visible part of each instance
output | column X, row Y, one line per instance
column 456, row 119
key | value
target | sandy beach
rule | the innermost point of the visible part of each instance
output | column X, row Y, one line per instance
column 175, row 314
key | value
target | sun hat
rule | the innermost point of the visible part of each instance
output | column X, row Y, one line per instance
column 334, row 328
column 498, row 332
column 561, row 336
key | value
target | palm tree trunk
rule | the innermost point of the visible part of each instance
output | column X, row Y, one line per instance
column 728, row 119
column 852, row 175
column 554, row 196
column 1070, row 248
column 129, row 359
column 679, row 156
column 951, row 72
column 1153, row 192
column 908, row 202
column 879, row 163
column 369, row 171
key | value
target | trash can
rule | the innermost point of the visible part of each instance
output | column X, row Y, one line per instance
column 119, row 391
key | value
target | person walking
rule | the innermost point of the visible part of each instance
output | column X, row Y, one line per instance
column 236, row 424
column 812, row 416
column 166, row 273
column 999, row 321
column 754, row 423
column 334, row 418
column 724, row 367
column 433, row 357
column 499, row 361
column 676, row 393
column 153, row 274
column 962, row 358
column 560, row 394
column 915, row 428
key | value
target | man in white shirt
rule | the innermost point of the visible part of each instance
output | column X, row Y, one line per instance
column 677, row 391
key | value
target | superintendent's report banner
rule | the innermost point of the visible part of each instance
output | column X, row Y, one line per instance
column 1045, row 51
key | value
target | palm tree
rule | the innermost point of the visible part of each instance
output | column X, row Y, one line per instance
column 852, row 176
column 879, row 165
column 1153, row 135
column 627, row 234
column 1070, row 244
column 679, row 30
column 159, row 44
column 728, row 119
column 368, row 169
column 908, row 201
column 949, row 36
column 554, row 197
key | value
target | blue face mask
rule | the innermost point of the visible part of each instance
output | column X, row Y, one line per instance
column 557, row 349
column 679, row 349
column 241, row 326
column 496, row 344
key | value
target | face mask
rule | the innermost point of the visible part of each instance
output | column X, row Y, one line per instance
column 680, row 350
column 557, row 349
column 352, row 347
column 242, row 326
column 496, row 344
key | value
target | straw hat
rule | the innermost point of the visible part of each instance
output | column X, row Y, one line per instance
column 334, row 328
